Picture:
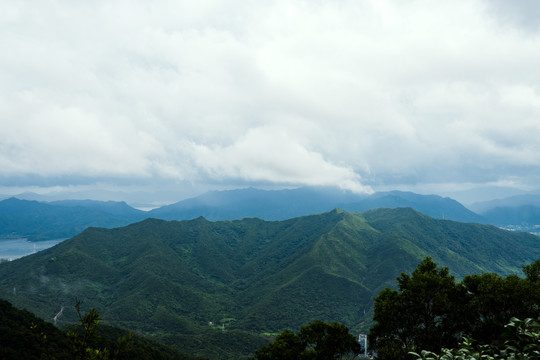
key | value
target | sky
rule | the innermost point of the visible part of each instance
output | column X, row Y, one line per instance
column 156, row 101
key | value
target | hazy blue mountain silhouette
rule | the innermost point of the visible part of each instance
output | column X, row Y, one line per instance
column 285, row 204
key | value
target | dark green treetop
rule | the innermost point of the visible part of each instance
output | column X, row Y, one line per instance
column 421, row 314
column 430, row 311
column 522, row 342
column 317, row 341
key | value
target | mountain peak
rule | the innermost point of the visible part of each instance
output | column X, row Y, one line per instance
column 180, row 275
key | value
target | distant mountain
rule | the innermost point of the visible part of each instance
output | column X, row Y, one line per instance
column 250, row 202
column 521, row 210
column 432, row 205
column 116, row 208
column 512, row 201
column 41, row 221
column 60, row 219
column 212, row 288
column 285, row 204
column 514, row 215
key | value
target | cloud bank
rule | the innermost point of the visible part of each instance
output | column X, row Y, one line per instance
column 359, row 94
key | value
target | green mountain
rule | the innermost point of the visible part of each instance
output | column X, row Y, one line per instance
column 212, row 288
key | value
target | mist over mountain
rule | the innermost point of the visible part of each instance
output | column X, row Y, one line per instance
column 432, row 205
column 284, row 204
column 511, row 201
column 181, row 281
column 520, row 212
column 264, row 204
column 49, row 220
column 526, row 215
column 59, row 219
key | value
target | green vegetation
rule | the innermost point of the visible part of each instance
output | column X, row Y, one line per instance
column 316, row 341
column 178, row 282
column 522, row 342
column 85, row 339
column 24, row 336
column 430, row 311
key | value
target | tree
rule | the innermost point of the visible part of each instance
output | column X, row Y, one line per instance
column 286, row 346
column 532, row 271
column 317, row 341
column 422, row 314
column 429, row 311
column 522, row 343
column 85, row 339
column 491, row 301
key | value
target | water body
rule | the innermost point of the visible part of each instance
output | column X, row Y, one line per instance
column 11, row 249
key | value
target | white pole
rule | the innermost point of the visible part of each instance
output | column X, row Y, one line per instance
column 365, row 353
column 363, row 337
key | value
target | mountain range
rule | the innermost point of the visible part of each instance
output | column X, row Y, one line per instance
column 214, row 288
column 289, row 203
column 522, row 211
column 43, row 221
column 62, row 219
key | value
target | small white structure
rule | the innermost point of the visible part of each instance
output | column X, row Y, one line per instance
column 363, row 337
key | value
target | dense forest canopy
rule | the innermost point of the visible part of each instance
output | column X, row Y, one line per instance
column 431, row 311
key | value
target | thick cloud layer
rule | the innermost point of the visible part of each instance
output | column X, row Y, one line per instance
column 361, row 94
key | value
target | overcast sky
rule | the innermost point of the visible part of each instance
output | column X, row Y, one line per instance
column 179, row 97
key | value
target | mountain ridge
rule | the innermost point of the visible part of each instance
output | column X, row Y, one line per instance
column 172, row 278
column 61, row 219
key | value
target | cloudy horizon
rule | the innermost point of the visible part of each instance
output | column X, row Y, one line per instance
column 178, row 98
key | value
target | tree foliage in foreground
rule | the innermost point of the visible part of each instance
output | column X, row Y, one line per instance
column 522, row 342
column 430, row 311
column 25, row 336
column 86, row 340
column 316, row 341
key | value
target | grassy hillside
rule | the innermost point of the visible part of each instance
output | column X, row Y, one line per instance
column 213, row 288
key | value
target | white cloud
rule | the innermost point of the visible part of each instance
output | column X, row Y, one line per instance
column 343, row 92
column 274, row 155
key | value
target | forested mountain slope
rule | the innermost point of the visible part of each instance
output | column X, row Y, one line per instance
column 183, row 281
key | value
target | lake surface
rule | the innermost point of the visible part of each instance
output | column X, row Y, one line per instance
column 11, row 249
